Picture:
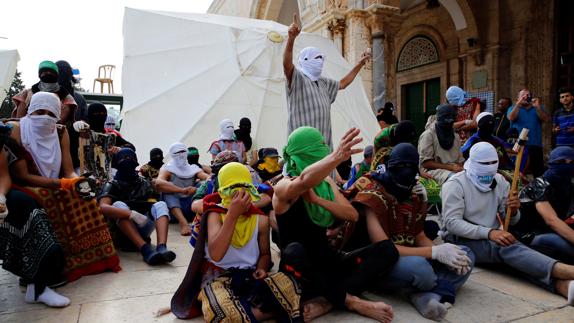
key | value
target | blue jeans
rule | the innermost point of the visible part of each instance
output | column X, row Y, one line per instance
column 158, row 210
column 554, row 246
column 535, row 266
column 421, row 275
column 183, row 203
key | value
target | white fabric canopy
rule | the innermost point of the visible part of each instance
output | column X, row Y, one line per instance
column 183, row 73
column 8, row 60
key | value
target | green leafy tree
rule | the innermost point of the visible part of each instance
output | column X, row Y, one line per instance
column 15, row 88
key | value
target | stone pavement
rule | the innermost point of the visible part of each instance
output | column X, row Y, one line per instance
column 135, row 293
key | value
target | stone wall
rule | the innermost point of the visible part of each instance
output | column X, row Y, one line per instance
column 510, row 42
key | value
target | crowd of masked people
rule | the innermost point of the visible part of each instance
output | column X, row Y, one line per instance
column 341, row 229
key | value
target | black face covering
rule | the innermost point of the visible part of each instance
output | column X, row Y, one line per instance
column 66, row 76
column 49, row 78
column 97, row 114
column 243, row 133
column 156, row 158
column 486, row 126
column 404, row 131
column 445, row 116
column 127, row 162
column 400, row 176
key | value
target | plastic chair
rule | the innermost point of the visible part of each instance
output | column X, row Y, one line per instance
column 105, row 76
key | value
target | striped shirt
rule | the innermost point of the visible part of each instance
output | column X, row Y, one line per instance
column 309, row 103
column 565, row 120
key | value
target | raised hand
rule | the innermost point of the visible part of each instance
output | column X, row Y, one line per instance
column 294, row 29
column 365, row 57
column 345, row 149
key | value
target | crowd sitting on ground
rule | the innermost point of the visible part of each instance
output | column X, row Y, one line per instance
column 72, row 192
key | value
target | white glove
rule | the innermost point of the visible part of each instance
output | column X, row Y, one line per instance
column 421, row 191
column 80, row 125
column 451, row 255
column 3, row 208
column 138, row 218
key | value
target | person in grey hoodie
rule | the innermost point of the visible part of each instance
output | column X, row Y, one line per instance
column 471, row 200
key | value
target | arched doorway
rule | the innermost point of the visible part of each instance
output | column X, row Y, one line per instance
column 419, row 96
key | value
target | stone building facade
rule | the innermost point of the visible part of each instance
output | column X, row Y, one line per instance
column 491, row 48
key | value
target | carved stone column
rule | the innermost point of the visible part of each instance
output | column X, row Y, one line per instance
column 337, row 28
column 384, row 23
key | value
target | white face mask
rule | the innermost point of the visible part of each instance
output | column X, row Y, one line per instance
column 180, row 159
column 481, row 175
column 43, row 125
column 311, row 63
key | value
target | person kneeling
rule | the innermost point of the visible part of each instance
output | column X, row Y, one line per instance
column 390, row 208
column 125, row 197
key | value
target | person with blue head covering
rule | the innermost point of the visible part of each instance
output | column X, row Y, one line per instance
column 547, row 222
column 466, row 112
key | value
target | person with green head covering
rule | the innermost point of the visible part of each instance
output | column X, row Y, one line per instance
column 48, row 74
column 306, row 203
column 193, row 159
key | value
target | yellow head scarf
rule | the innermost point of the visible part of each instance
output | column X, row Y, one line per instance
column 270, row 164
column 231, row 178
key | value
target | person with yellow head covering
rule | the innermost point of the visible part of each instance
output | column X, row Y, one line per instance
column 233, row 254
column 306, row 202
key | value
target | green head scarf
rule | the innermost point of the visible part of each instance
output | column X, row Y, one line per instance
column 306, row 146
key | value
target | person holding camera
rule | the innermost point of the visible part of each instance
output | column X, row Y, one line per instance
column 529, row 113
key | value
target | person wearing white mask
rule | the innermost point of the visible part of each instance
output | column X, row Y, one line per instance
column 40, row 161
column 227, row 141
column 471, row 200
column 176, row 180
column 309, row 95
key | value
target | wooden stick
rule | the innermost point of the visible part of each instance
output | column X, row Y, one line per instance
column 518, row 147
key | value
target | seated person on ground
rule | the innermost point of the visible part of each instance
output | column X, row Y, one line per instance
column 389, row 137
column 176, row 181
column 471, row 200
column 227, row 141
column 38, row 262
column 211, row 186
column 306, row 203
column 547, row 223
column 40, row 161
column 389, row 208
column 439, row 146
column 486, row 122
column 193, row 159
column 151, row 169
column 126, row 199
column 268, row 165
column 234, row 254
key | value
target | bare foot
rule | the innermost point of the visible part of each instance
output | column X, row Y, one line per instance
column 379, row 311
column 316, row 307
column 185, row 230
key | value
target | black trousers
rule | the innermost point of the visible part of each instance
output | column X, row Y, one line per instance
column 323, row 272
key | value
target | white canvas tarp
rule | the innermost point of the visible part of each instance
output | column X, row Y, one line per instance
column 183, row 73
column 8, row 60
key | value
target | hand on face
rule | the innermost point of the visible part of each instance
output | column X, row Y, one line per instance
column 240, row 203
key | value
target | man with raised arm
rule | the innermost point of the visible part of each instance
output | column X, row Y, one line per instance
column 309, row 95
